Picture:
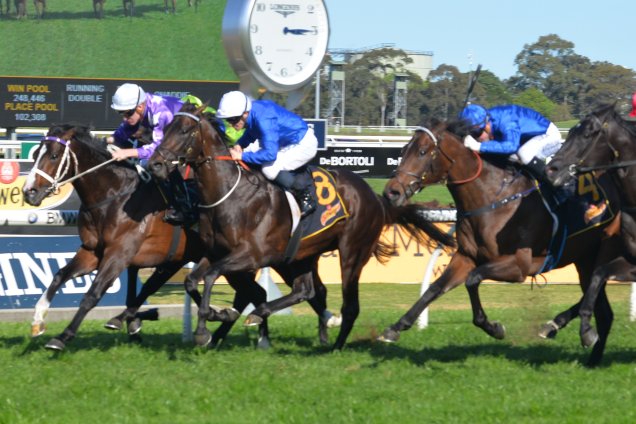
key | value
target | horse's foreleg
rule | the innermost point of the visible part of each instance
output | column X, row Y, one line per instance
column 247, row 291
column 618, row 268
column 109, row 268
column 82, row 263
column 604, row 319
column 550, row 329
column 202, row 336
column 455, row 274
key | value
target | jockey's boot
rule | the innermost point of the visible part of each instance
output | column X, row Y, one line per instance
column 183, row 199
column 555, row 196
column 296, row 184
column 302, row 191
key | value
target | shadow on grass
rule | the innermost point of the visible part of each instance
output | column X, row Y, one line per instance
column 242, row 339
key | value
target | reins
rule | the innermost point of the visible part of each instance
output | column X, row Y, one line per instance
column 239, row 164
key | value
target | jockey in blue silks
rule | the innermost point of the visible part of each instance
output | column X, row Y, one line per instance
column 285, row 143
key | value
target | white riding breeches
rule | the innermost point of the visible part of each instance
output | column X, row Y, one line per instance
column 293, row 156
column 542, row 146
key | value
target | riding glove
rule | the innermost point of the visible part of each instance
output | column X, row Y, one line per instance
column 471, row 143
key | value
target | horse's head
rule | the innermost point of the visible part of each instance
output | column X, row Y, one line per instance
column 426, row 159
column 189, row 139
column 54, row 163
column 591, row 142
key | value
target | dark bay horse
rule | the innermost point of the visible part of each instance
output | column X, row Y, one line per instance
column 119, row 226
column 604, row 142
column 503, row 229
column 250, row 219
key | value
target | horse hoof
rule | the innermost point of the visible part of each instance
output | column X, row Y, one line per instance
column 202, row 338
column 135, row 338
column 228, row 315
column 389, row 336
column 55, row 344
column 113, row 324
column 334, row 321
column 498, row 330
column 252, row 320
column 38, row 329
column 263, row 343
column 589, row 338
column 548, row 330
column 134, row 326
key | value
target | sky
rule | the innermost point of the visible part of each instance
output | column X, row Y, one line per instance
column 464, row 33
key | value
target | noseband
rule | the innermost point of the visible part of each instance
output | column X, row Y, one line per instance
column 416, row 185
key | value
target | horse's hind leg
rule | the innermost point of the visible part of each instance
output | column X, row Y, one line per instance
column 604, row 319
column 82, row 263
column 302, row 289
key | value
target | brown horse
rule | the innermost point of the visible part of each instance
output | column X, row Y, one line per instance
column 249, row 218
column 40, row 8
column 120, row 226
column 503, row 229
column 603, row 142
column 129, row 7
column 98, row 8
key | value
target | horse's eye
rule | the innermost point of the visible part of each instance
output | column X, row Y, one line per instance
column 54, row 156
column 423, row 152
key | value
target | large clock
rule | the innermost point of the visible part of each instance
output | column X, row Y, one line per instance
column 279, row 43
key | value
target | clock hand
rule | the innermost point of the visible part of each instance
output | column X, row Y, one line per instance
column 296, row 31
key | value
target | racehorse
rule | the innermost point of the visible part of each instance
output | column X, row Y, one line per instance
column 20, row 9
column 40, row 8
column 603, row 142
column 119, row 226
column 174, row 6
column 98, row 8
column 250, row 218
column 129, row 7
column 503, row 229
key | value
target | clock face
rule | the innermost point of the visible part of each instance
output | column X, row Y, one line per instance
column 288, row 40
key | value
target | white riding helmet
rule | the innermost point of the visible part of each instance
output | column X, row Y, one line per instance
column 128, row 96
column 234, row 103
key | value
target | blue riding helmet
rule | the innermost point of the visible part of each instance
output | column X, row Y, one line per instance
column 476, row 115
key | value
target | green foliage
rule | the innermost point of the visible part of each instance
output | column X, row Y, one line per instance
column 535, row 99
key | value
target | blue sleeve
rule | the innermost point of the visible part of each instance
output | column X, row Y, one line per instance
column 268, row 139
column 507, row 140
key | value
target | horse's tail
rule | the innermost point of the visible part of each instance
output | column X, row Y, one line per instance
column 413, row 221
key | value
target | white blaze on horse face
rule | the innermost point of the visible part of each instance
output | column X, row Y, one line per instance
column 30, row 179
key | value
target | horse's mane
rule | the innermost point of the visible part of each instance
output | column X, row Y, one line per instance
column 82, row 134
column 460, row 128
column 208, row 117
column 608, row 112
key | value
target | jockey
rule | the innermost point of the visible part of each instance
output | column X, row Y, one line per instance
column 152, row 112
column 632, row 114
column 521, row 132
column 286, row 143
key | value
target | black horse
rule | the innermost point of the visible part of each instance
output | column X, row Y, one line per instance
column 503, row 229
column 603, row 142
column 249, row 218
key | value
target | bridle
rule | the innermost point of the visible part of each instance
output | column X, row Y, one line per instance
column 418, row 180
column 575, row 169
column 63, row 168
column 194, row 133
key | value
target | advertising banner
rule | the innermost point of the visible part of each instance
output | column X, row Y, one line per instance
column 27, row 267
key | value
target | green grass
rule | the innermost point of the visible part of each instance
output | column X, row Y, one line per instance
column 434, row 193
column 450, row 372
column 70, row 42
